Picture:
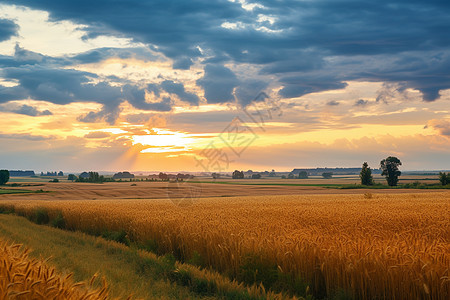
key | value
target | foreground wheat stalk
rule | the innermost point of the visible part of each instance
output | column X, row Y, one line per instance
column 22, row 277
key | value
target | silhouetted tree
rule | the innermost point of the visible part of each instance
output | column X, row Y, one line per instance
column 303, row 175
column 238, row 174
column 444, row 178
column 291, row 176
column 4, row 176
column 366, row 175
column 71, row 177
column 256, row 176
column 389, row 168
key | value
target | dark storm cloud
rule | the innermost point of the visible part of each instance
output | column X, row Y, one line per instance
column 182, row 63
column 307, row 41
column 27, row 110
column 299, row 85
column 60, row 86
column 7, row 29
column 249, row 91
column 218, row 83
column 24, row 57
column 64, row 86
column 100, row 54
column 178, row 89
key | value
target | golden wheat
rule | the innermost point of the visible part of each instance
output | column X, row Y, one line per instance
column 22, row 277
column 388, row 246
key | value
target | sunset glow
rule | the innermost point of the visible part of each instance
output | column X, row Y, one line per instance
column 163, row 141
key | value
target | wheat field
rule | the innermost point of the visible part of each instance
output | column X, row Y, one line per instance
column 22, row 277
column 389, row 246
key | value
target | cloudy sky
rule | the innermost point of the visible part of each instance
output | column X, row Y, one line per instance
column 221, row 85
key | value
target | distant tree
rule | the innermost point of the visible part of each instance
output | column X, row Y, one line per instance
column 272, row 173
column 72, row 177
column 238, row 174
column 215, row 175
column 283, row 176
column 163, row 176
column 256, row 176
column 4, row 176
column 327, row 175
column 291, row 176
column 94, row 177
column 54, row 180
column 302, row 175
column 60, row 173
column 366, row 175
column 444, row 178
column 389, row 168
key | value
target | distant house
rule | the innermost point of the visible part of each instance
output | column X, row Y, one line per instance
column 123, row 175
column 84, row 175
column 49, row 174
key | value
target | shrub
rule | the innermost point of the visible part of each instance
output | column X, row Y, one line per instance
column 196, row 260
column 59, row 222
column 150, row 245
column 254, row 269
column 7, row 209
column 327, row 175
column 39, row 216
column 117, row 236
column 368, row 195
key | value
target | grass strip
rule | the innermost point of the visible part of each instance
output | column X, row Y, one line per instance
column 15, row 191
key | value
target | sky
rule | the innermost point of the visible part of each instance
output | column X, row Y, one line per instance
column 215, row 86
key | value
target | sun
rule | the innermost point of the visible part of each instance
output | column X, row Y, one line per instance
column 163, row 140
